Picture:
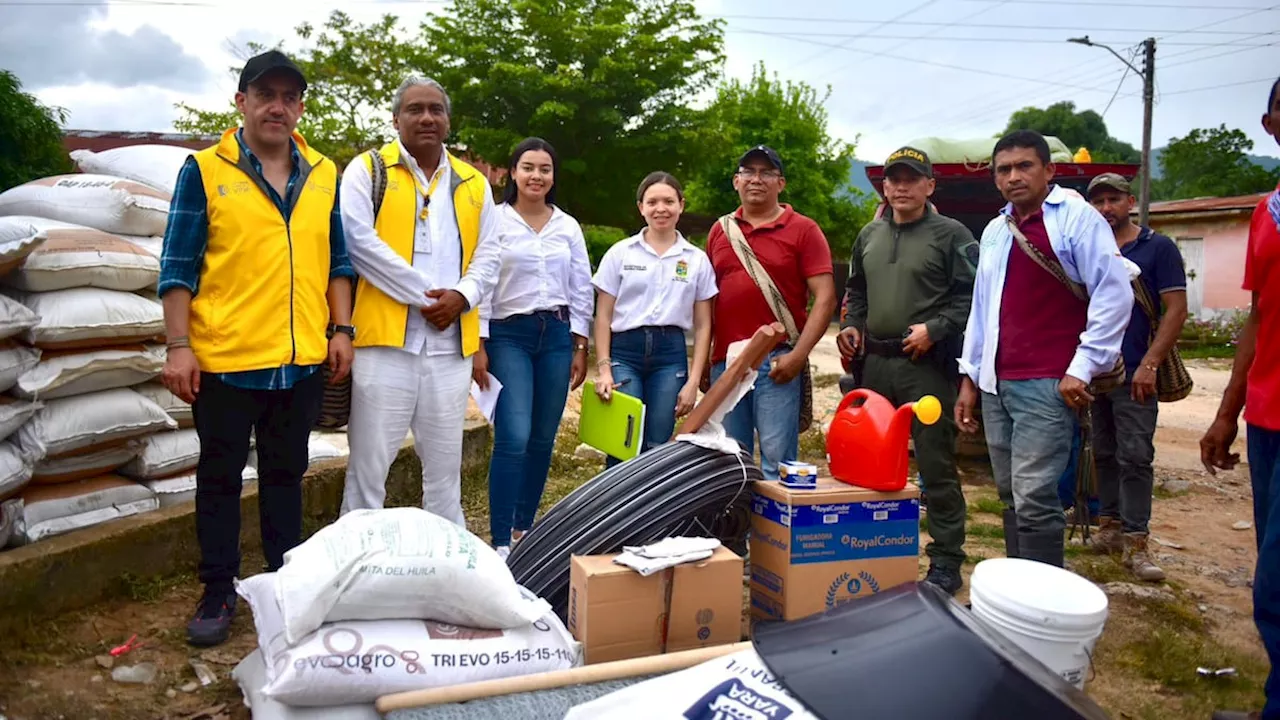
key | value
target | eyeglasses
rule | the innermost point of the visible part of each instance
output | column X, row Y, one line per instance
column 762, row 174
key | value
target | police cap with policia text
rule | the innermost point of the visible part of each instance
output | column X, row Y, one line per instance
column 912, row 158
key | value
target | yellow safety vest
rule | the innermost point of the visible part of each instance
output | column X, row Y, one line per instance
column 379, row 319
column 261, row 301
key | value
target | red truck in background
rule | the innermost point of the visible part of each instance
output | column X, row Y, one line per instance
column 968, row 193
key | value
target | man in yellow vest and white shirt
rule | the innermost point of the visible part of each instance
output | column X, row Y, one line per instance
column 426, row 258
column 256, row 287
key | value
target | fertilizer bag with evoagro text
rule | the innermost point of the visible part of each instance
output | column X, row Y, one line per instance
column 357, row 661
column 75, row 256
column 102, row 202
column 399, row 563
column 731, row 687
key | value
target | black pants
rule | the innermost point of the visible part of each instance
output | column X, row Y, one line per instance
column 282, row 419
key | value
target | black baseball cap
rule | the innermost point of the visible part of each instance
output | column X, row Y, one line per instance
column 260, row 65
column 910, row 157
column 763, row 151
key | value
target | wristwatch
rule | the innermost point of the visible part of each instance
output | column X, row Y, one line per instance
column 347, row 330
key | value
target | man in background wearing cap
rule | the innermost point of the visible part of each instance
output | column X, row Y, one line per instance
column 910, row 285
column 253, row 277
column 1124, row 420
column 769, row 261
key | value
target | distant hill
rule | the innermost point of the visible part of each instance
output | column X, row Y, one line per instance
column 1266, row 161
column 858, row 175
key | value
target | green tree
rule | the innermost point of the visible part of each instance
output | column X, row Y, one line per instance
column 792, row 119
column 1211, row 162
column 608, row 83
column 30, row 136
column 1076, row 129
column 352, row 70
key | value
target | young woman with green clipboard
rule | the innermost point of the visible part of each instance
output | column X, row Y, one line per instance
column 651, row 289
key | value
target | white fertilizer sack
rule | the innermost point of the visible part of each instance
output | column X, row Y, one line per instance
column 106, row 203
column 55, row 509
column 251, row 676
column 19, row 237
column 76, row 373
column 733, row 687
column 179, row 489
column 79, row 466
column 177, row 408
column 73, row 256
column 15, row 360
column 399, row 563
column 95, row 420
column 153, row 245
column 14, row 414
column 15, row 472
column 164, row 454
column 16, row 318
column 359, row 660
column 79, row 318
column 153, row 164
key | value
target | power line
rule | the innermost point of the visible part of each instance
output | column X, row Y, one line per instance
column 894, row 19
column 1005, row 39
column 1112, row 5
column 1224, row 85
column 993, row 26
column 1132, row 57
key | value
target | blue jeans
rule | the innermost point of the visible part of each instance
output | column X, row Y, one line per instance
column 654, row 362
column 1028, row 428
column 770, row 410
column 530, row 355
column 1264, row 469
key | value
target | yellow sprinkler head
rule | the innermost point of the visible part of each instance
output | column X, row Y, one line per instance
column 928, row 409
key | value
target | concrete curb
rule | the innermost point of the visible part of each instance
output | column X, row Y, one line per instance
column 81, row 568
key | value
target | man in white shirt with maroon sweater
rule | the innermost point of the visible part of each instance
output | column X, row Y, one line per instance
column 1032, row 345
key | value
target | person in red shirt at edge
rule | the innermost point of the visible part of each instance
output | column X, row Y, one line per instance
column 794, row 256
column 1255, row 387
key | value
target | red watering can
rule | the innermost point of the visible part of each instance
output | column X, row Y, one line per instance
column 867, row 442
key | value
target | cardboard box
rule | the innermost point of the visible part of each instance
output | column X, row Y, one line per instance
column 618, row 614
column 798, row 475
column 814, row 549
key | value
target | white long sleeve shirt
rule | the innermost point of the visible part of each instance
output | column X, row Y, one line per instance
column 541, row 271
column 1086, row 247
column 437, row 251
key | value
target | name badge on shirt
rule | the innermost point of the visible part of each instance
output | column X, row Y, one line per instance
column 634, row 268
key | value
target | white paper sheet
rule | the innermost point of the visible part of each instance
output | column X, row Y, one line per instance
column 487, row 399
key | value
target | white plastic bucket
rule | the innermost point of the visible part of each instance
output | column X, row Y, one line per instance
column 1053, row 614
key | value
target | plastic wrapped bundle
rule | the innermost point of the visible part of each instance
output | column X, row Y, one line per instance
column 675, row 489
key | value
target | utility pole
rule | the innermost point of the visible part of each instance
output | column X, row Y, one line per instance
column 1148, row 73
column 1148, row 96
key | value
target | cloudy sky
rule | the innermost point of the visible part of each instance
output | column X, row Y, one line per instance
column 897, row 70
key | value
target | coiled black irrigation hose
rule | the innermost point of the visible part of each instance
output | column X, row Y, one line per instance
column 675, row 489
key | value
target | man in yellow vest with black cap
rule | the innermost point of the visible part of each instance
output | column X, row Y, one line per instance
column 256, row 286
column 423, row 237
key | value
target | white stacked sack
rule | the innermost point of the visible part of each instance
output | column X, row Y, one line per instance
column 76, row 331
column 386, row 601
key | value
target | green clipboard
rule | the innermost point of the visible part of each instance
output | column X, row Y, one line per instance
column 615, row 428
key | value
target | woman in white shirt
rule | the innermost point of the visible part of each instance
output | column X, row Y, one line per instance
column 651, row 289
column 533, row 336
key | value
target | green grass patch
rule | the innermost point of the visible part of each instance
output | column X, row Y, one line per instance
column 826, row 380
column 987, row 505
column 986, row 531
column 1201, row 352
column 153, row 589
column 813, row 445
column 1101, row 569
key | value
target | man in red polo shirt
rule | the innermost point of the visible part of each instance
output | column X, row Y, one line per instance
column 786, row 252
column 1255, row 387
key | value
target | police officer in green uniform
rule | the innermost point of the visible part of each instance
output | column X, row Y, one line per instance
column 910, row 284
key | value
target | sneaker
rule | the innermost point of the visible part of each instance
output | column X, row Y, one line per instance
column 946, row 579
column 1109, row 540
column 517, row 536
column 504, row 551
column 212, row 622
column 1137, row 559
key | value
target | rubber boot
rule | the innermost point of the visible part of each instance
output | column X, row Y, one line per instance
column 1042, row 546
column 1010, row 533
